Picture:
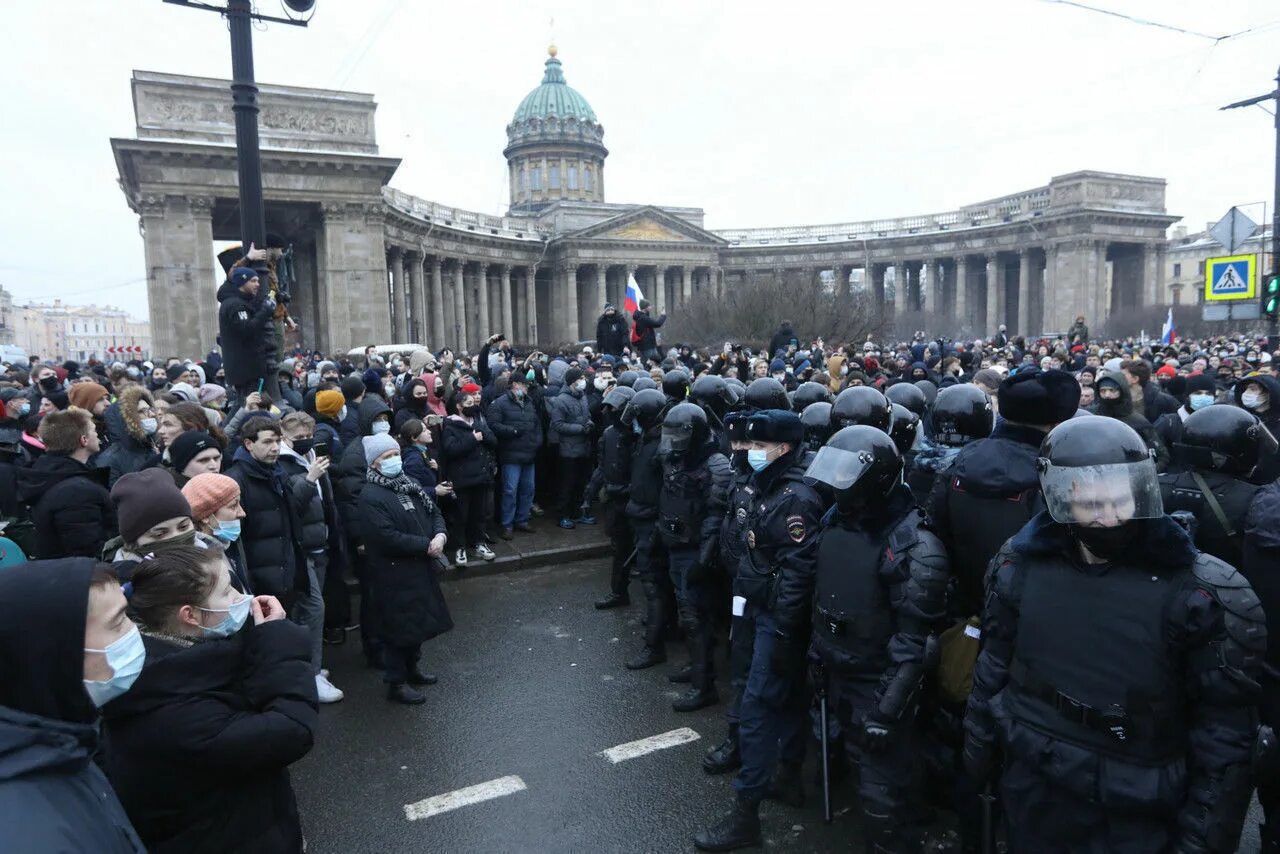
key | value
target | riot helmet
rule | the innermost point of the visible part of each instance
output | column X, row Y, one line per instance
column 860, row 464
column 617, row 398
column 929, row 389
column 1099, row 478
column 816, row 419
column 675, row 385
column 627, row 379
column 961, row 414
column 766, row 393
column 907, row 395
column 684, row 428
column 643, row 409
column 808, row 393
column 1225, row 438
column 861, row 405
column 904, row 428
column 713, row 394
column 644, row 382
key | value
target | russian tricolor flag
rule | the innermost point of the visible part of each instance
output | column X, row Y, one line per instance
column 1168, row 332
column 631, row 302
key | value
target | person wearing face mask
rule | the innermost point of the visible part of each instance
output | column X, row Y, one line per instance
column 404, row 534
column 515, row 420
column 880, row 601
column 132, row 424
column 14, row 406
column 152, row 516
column 348, row 417
column 571, row 424
column 236, row 702
column 413, row 404
column 1115, row 401
column 1112, row 646
column 612, row 480
column 612, row 331
column 1260, row 394
column 1201, row 392
column 216, row 511
column 773, row 586
column 467, row 454
column 66, row 648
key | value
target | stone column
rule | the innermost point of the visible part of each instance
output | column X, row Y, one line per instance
column 418, row 333
column 962, row 278
column 482, row 297
column 459, row 341
column 876, row 276
column 602, row 285
column 1024, row 292
column 930, row 295
column 686, row 286
column 504, row 299
column 395, row 268
column 991, row 322
column 1150, row 294
column 571, row 327
column 438, row 334
column 177, row 234
column 531, row 303
column 660, row 289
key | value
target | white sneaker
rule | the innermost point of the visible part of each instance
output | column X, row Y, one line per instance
column 461, row 557
column 324, row 672
column 325, row 690
column 485, row 552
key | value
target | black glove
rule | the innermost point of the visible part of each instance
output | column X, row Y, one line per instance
column 876, row 733
column 979, row 761
column 697, row 573
column 787, row 658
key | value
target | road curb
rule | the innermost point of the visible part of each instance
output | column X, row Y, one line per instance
column 527, row 560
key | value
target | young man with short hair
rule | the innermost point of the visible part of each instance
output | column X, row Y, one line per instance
column 70, row 505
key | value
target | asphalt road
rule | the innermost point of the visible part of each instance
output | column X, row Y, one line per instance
column 532, row 690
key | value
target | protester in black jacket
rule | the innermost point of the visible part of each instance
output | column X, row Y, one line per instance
column 404, row 534
column 467, row 453
column 131, row 424
column 612, row 332
column 235, row 702
column 517, row 422
column 244, row 329
column 53, row 796
column 645, row 332
column 70, row 505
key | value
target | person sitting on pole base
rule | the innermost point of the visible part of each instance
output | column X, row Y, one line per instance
column 245, row 331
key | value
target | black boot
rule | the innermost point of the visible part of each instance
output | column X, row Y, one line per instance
column 651, row 656
column 402, row 693
column 738, row 829
column 613, row 600
column 417, row 677
column 683, row 676
column 724, row 757
column 787, row 785
column 696, row 698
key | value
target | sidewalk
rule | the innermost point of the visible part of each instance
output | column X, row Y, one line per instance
column 548, row 544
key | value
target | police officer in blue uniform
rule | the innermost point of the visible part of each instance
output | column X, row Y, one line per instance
column 774, row 581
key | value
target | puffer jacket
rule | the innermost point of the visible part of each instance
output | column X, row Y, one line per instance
column 131, row 449
column 468, row 462
column 311, row 499
column 570, row 416
column 350, row 469
column 518, row 427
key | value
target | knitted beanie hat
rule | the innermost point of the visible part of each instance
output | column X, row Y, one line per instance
column 209, row 492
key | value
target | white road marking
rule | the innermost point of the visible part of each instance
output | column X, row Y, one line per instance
column 632, row 749
column 464, row 797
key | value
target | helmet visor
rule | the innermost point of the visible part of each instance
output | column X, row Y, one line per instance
column 1267, row 445
column 838, row 468
column 675, row 440
column 1102, row 495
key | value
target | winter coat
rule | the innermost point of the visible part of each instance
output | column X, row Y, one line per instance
column 271, row 527
column 782, row 339
column 1122, row 410
column 612, row 334
column 644, row 334
column 415, row 461
column 311, row 497
column 1156, row 402
column 348, row 472
column 1269, row 468
column 467, row 462
column 199, row 748
column 327, row 432
column 518, row 426
column 409, row 410
column 397, row 531
column 70, row 507
column 53, row 797
column 349, row 427
column 1261, row 565
column 571, row 424
column 244, row 330
column 131, row 448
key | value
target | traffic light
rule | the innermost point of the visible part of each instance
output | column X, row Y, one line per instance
column 1271, row 297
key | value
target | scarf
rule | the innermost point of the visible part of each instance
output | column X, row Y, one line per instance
column 403, row 486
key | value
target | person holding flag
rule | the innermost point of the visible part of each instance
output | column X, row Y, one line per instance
column 644, row 336
column 1168, row 332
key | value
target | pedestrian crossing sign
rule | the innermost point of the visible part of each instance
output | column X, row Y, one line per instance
column 1231, row 277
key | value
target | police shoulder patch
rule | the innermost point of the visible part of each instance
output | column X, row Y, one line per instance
column 796, row 528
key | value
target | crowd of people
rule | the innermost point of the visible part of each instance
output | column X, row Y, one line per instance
column 1019, row 574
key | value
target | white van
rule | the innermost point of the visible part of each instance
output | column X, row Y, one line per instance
column 12, row 354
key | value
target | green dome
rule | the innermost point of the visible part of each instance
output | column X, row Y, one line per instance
column 554, row 98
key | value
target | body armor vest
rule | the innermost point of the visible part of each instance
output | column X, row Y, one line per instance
column 1092, row 665
column 1181, row 492
column 682, row 506
column 852, row 621
column 615, row 459
column 646, row 480
column 979, row 527
column 733, row 531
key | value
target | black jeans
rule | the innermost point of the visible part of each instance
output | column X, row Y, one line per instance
column 574, row 474
column 469, row 512
column 398, row 662
column 615, row 520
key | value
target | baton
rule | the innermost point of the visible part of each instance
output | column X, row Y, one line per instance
column 826, row 758
column 988, row 797
column 631, row 558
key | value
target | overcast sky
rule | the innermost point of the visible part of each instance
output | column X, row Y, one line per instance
column 759, row 112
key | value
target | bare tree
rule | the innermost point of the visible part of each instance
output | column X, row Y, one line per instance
column 751, row 311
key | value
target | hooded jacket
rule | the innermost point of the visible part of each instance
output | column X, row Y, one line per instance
column 612, row 334
column 52, row 795
column 1261, row 565
column 1122, row 410
column 571, row 423
column 1268, row 469
column 466, row 461
column 244, row 328
column 131, row 449
column 70, row 507
column 350, row 477
column 645, row 332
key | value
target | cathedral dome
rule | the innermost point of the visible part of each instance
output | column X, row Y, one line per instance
column 554, row 98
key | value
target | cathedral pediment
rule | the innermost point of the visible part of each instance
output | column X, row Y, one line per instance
column 647, row 224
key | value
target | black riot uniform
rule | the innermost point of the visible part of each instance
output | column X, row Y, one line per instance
column 961, row 414
column 612, row 481
column 861, row 405
column 1220, row 449
column 642, row 415
column 817, row 424
column 695, row 482
column 773, row 585
column 880, row 597
column 807, row 394
column 1262, row 567
column 716, row 398
column 1118, row 672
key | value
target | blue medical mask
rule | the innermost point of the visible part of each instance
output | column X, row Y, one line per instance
column 125, row 658
column 25, row 409
column 391, row 467
column 758, row 459
column 381, row 427
column 234, row 621
column 149, row 426
column 1200, row 401
column 635, row 425
column 228, row 532
column 342, row 413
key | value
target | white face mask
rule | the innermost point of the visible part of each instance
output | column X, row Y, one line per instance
column 389, row 389
column 381, row 427
column 580, row 385
column 1252, row 399
column 342, row 413
column 600, row 383
column 149, row 426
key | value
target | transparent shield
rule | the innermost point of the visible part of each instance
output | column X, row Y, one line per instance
column 837, row 468
column 1105, row 495
column 675, row 440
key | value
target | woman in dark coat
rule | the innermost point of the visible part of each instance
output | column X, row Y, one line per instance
column 199, row 749
column 404, row 538
column 132, row 424
column 468, row 448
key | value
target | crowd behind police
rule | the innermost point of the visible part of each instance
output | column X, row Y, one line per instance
column 851, row 523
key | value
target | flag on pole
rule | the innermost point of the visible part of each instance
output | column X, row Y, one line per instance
column 631, row 302
column 1168, row 332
